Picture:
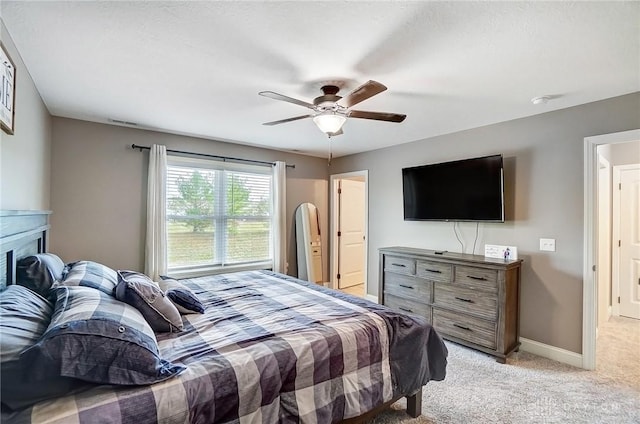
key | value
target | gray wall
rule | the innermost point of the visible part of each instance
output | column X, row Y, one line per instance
column 544, row 198
column 98, row 189
column 25, row 156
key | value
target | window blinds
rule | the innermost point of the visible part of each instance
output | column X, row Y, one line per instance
column 217, row 214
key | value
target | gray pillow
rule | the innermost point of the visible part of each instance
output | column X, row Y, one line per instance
column 90, row 274
column 96, row 338
column 24, row 317
column 184, row 299
column 39, row 272
column 141, row 292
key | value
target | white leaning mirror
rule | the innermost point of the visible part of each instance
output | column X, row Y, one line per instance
column 309, row 245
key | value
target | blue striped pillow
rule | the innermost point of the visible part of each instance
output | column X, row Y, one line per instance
column 90, row 274
column 95, row 337
column 24, row 317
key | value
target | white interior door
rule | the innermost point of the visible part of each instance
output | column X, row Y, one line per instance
column 629, row 236
column 351, row 228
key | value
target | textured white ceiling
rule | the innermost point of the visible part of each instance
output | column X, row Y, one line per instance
column 196, row 68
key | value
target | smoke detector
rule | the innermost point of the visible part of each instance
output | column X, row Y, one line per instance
column 542, row 100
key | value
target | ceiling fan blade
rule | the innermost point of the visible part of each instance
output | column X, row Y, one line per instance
column 282, row 121
column 276, row 96
column 378, row 116
column 366, row 90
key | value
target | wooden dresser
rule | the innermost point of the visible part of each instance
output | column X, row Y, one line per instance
column 469, row 299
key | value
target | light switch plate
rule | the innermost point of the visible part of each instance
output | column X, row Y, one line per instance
column 500, row 252
column 548, row 244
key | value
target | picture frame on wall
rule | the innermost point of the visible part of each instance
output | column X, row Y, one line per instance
column 7, row 91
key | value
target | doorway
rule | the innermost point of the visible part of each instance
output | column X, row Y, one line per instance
column 594, row 230
column 349, row 238
column 626, row 229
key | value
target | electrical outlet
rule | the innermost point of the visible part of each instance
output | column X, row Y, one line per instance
column 548, row 244
column 500, row 252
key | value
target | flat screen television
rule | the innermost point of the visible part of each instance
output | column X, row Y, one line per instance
column 462, row 190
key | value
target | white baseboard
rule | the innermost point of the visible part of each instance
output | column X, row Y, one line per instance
column 371, row 298
column 551, row 352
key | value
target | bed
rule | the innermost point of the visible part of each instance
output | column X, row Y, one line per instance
column 268, row 348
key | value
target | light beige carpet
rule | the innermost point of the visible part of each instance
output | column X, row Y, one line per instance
column 618, row 351
column 530, row 389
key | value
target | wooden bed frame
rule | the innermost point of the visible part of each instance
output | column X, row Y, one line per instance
column 24, row 233
column 414, row 409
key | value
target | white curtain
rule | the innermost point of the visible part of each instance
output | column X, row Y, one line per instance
column 280, row 217
column 156, row 245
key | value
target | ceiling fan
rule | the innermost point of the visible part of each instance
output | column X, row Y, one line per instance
column 331, row 111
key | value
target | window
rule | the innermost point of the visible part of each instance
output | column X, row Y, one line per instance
column 218, row 215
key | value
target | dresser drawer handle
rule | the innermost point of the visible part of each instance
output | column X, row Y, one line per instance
column 462, row 327
column 437, row 271
column 476, row 278
column 405, row 309
column 400, row 265
column 406, row 287
column 465, row 300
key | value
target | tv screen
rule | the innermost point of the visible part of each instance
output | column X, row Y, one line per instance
column 463, row 190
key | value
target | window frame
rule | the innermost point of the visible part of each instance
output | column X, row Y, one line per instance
column 188, row 271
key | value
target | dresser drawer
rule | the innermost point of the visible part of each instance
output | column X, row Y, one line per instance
column 408, row 287
column 480, row 278
column 470, row 329
column 481, row 304
column 399, row 264
column 407, row 306
column 434, row 271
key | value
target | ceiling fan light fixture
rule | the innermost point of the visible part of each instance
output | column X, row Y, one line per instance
column 329, row 122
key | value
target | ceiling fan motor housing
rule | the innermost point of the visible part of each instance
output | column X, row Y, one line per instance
column 329, row 96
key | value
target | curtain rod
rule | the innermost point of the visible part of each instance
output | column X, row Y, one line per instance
column 223, row 158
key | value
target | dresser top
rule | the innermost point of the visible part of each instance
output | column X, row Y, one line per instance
column 450, row 256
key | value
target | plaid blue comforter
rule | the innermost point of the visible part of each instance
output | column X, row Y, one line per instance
column 268, row 349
